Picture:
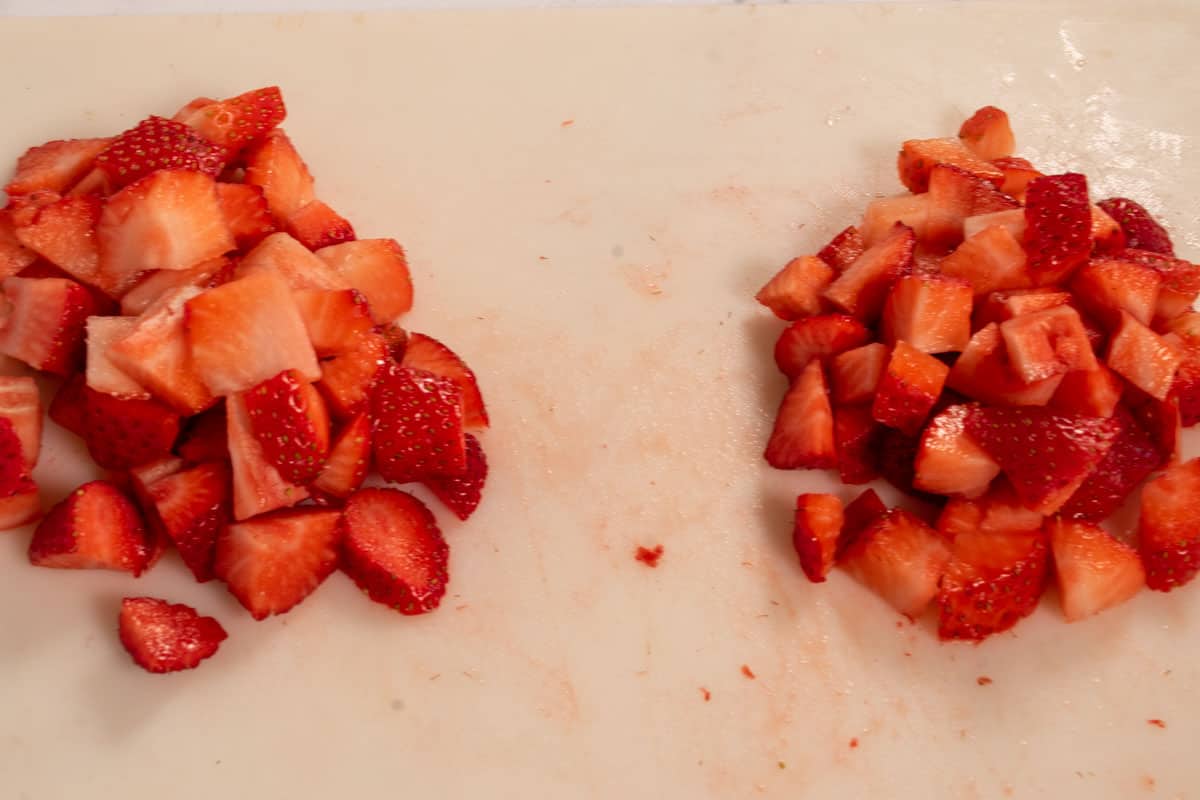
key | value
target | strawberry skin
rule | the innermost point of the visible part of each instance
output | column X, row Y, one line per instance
column 121, row 433
column 193, row 506
column 817, row 337
column 245, row 211
column 14, row 471
column 992, row 582
column 858, row 514
column 1133, row 456
column 425, row 352
column 819, row 521
column 68, row 408
column 856, row 437
column 165, row 637
column 205, row 438
column 988, row 134
column 350, row 459
column 153, row 144
column 237, row 122
column 1095, row 571
column 900, row 558
column 1168, row 536
column 289, row 420
column 462, row 494
column 1058, row 236
column 416, row 425
column 1142, row 231
column 393, row 549
column 843, row 249
column 316, row 225
column 94, row 527
column 803, row 436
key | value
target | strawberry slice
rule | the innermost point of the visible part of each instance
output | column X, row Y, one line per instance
column 94, row 527
column 909, row 388
column 393, row 549
column 55, row 166
column 426, row 353
column 1107, row 286
column 862, row 288
column 932, row 313
column 858, row 514
column 205, row 438
column 990, row 260
column 1088, row 393
column 272, row 562
column 900, row 558
column 257, row 485
column 803, row 434
column 1142, row 231
column 64, row 233
column 165, row 637
column 985, row 373
column 350, row 458
column 988, row 134
column 46, row 323
column 1095, row 571
column 21, row 405
column 347, row 378
column 289, row 419
column 316, row 225
column 855, row 373
column 795, row 291
column 68, row 408
column 1058, row 238
column 237, row 122
column 462, row 494
column 102, row 374
column 157, row 144
column 1143, row 358
column 1134, row 454
column 856, row 437
column 193, row 506
column 379, row 269
column 918, row 157
column 1046, row 343
column 124, row 432
column 274, row 166
column 844, row 249
column 1047, row 456
column 336, row 319
column 1168, row 537
column 156, row 286
column 282, row 254
column 948, row 460
column 416, row 425
column 817, row 338
column 246, row 213
column 1018, row 174
column 815, row 536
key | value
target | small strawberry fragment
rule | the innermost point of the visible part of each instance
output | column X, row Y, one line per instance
column 1018, row 173
column 94, row 527
column 21, row 405
column 193, row 506
column 289, row 419
column 316, row 225
column 416, row 425
column 949, row 461
column 14, row 474
column 156, row 286
column 862, row 288
column 988, row 134
column 843, row 249
column 1168, row 536
column 1095, row 571
column 1107, row 236
column 1088, row 393
column 1143, row 358
column 164, row 637
column 1012, row 220
column 54, row 166
column 205, row 438
column 246, row 213
column 858, row 514
column 1058, row 238
column 992, row 581
column 931, row 313
column 900, row 558
column 239, row 121
column 1004, row 305
column 273, row 165
column 909, row 388
column 46, row 323
column 918, row 157
column 856, row 437
column 815, row 536
column 855, row 373
column 1142, row 231
column 14, row 256
column 461, row 494
column 803, row 434
column 350, row 459
column 795, row 291
column 997, row 512
column 817, row 338
column 124, row 432
column 379, row 269
column 1134, row 454
column 68, row 408
column 425, row 352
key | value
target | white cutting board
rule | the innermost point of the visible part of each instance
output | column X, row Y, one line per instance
column 599, row 277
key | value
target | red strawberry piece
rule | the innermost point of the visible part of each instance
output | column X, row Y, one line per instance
column 274, row 561
column 988, row 134
column 246, row 213
column 273, row 164
column 23, row 506
column 1180, row 282
column 884, row 214
column 949, row 461
column 1143, row 358
column 1168, row 536
column 1186, row 387
column 416, row 425
column 291, row 424
column 396, row 339
column 1106, row 287
column 1018, row 174
column 862, row 288
column 257, row 485
column 347, row 379
column 1107, row 236
column 900, row 558
column 194, row 506
column 157, row 286
column 897, row 459
column 1088, row 393
column 102, row 374
column 68, row 407
column 14, row 256
column 803, row 434
column 64, row 233
column 954, row 195
column 909, row 388
column 55, row 166
column 171, row 219
column 462, row 494
column 46, row 323
column 844, row 249
column 1142, row 231
column 350, row 459
column 1161, row 419
column 281, row 254
column 855, row 373
column 94, row 527
column 817, row 337
column 140, row 478
column 1095, row 571
column 1045, row 455
column 856, row 437
column 316, row 225
column 14, row 473
column 392, row 548
column 1004, row 305
column 336, row 319
column 425, row 352
column 246, row 331
column 379, row 269
column 815, row 536
column 1046, row 343
column 237, row 122
column 932, row 313
column 992, row 581
column 858, row 514
column 1012, row 220
column 157, row 144
column 795, row 291
column 1059, row 218
column 918, row 157
column 122, row 432
column 990, row 259
column 21, row 405
column 985, row 373
column 165, row 637
column 998, row 512
column 205, row 438
column 1132, row 457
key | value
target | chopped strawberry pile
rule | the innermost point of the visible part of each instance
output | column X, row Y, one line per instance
column 1015, row 357
column 231, row 352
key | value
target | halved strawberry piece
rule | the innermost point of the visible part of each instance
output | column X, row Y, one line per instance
column 158, row 285
column 21, row 405
column 1058, row 238
column 102, row 374
column 949, row 461
column 246, row 331
column 425, row 352
column 288, row 417
column 855, row 373
column 246, row 213
column 1106, row 287
column 416, row 425
column 1142, row 231
column 1134, row 454
column 817, row 337
column 992, row 581
column 68, row 408
column 14, row 256
column 884, row 214
column 1046, row 343
column 392, row 548
column 997, row 512
column 316, row 225
column 165, row 637
column 815, row 535
column 205, row 438
column 257, row 484
column 124, row 432
column 858, row 514
column 94, row 527
column 1095, row 571
column 803, row 433
column 350, row 459
column 988, row 134
column 239, row 121
column 156, row 144
column 909, row 388
column 1018, row 174
column 461, row 494
column 273, row 164
column 989, row 260
column 1107, row 236
column 932, row 313
column 1088, row 393
column 46, row 323
column 1168, row 534
column 1045, row 455
column 918, row 157
column 900, row 558
column 55, row 166
column 954, row 195
column 1012, row 221
column 64, row 233
column 1143, row 358
column 856, row 437
column 194, row 505
column 347, row 378
column 170, row 219
column 795, row 291
column 378, row 269
column 843, row 249
column 271, row 563
column 862, row 288
column 985, row 373
column 282, row 254
column 336, row 320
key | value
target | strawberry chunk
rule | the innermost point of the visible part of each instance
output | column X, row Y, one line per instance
column 908, row 389
column 1046, row 343
column 194, row 505
column 54, row 166
column 815, row 536
column 795, row 291
column 336, row 320
column 1088, row 393
column 94, row 527
column 1058, row 238
column 855, row 373
column 1012, row 221
column 1018, row 174
column 900, row 558
column 1106, row 287
column 273, row 165
column 282, row 254
column 157, row 286
column 1107, row 236
column 988, row 134
column 856, row 440
column 102, row 374
column 257, row 485
column 989, row 260
column 819, row 338
column 844, row 249
column 985, row 373
column 14, row 256
column 997, row 512
column 918, row 157
column 21, row 405
column 949, row 461
column 954, row 195
column 1142, row 231
column 289, row 419
column 239, row 121
column 46, row 323
column 205, row 438
column 14, row 473
column 803, row 433
column 124, row 432
column 416, row 425
column 350, row 458
column 245, row 210
column 164, row 637
column 347, row 378
column 273, row 562
column 64, row 233
column 68, row 408
column 857, row 516
column 1134, row 454
column 156, row 144
column 1143, row 358
column 932, row 313
column 379, row 269
column 461, row 494
column 425, row 352
column 884, row 214
column 862, row 288
column 394, row 551
column 1095, row 571
column 1168, row 535
column 316, row 225
column 1004, row 305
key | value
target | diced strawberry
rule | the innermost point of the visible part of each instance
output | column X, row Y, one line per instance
column 170, row 219
column 1142, row 231
column 416, row 425
column 55, row 166
column 94, row 527
column 1012, row 221
column 316, row 225
column 843, row 249
column 396, row 339
column 14, row 256
column 273, row 164
column 989, row 260
column 1018, row 173
column 1058, row 236
column 194, row 505
column 997, row 512
column 1045, row 455
column 164, row 637
column 1143, row 358
column 140, row 478
column 987, row 134
column 795, row 291
column 64, row 233
column 271, row 563
column 1006, row 304
column 862, row 288
column 949, row 461
column 1088, row 393
column 347, row 379
column 21, row 405
column 1107, row 236
column 1161, row 419
column 1095, row 571
column 158, row 285
column 205, row 438
column 46, row 323
column 157, row 144
column 1168, row 536
column 392, row 548
column 1046, row 343
column 257, row 485
column 1132, row 457
column 1180, row 282
column 954, row 195
column 425, row 352
column 897, row 456
column 803, row 433
column 817, row 337
column 858, row 514
column 336, row 320
column 910, row 385
column 918, row 157
column 985, row 373
column 14, row 472
column 124, row 432
column 992, row 581
column 246, row 213
column 884, row 214
column 246, row 331
column 350, row 458
column 900, row 558
column 1186, row 387
column 282, row 254
column 815, row 535
column 856, row 437
column 102, row 374
column 855, row 373
column 932, row 313
column 461, row 494
column 69, row 407
column 1106, row 287
column 378, row 269
column 239, row 121
column 288, row 417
